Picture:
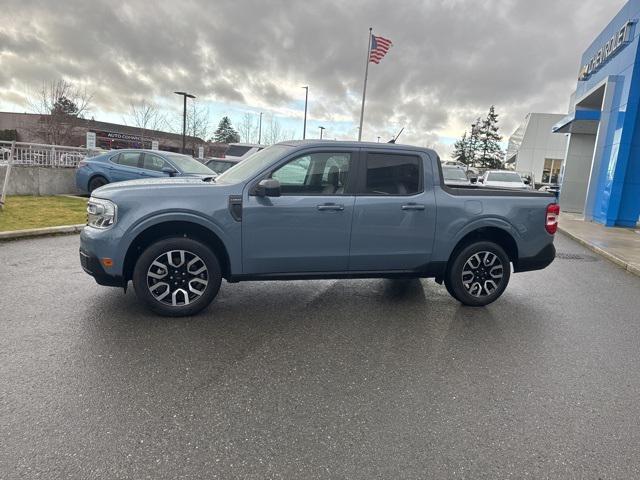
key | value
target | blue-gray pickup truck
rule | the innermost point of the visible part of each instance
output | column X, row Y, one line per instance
column 314, row 210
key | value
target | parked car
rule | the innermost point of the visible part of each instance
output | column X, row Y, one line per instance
column 240, row 151
column 464, row 166
column 503, row 178
column 221, row 165
column 130, row 164
column 455, row 176
column 314, row 209
column 234, row 154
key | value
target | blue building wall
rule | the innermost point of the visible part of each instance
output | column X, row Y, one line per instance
column 617, row 200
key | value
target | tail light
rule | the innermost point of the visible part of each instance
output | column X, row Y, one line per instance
column 553, row 212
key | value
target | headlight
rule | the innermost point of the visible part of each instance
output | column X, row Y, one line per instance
column 101, row 213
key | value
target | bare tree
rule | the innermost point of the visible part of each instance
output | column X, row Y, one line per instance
column 274, row 133
column 62, row 105
column 248, row 128
column 198, row 124
column 146, row 116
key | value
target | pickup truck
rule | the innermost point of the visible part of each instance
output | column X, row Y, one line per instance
column 314, row 210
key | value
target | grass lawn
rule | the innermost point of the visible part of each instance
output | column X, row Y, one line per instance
column 21, row 212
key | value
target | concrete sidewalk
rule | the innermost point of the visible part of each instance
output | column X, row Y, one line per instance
column 619, row 245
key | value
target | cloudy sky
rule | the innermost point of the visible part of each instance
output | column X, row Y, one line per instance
column 450, row 61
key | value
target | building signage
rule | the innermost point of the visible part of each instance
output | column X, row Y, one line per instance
column 619, row 40
column 119, row 136
column 154, row 145
column 201, row 152
column 91, row 140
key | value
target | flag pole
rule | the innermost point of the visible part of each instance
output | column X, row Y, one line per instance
column 364, row 89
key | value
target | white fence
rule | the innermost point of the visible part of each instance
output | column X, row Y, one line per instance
column 40, row 155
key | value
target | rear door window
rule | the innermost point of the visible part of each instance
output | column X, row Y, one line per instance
column 393, row 174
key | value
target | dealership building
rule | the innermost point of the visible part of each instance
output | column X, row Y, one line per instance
column 535, row 150
column 601, row 169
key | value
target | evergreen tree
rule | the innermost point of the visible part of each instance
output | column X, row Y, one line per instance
column 225, row 132
column 64, row 106
column 489, row 152
column 461, row 150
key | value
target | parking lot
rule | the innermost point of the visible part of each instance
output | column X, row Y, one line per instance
column 319, row 379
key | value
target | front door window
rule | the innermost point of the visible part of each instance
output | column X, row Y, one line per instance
column 315, row 174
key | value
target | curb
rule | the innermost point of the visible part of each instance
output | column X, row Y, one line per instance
column 41, row 232
column 629, row 267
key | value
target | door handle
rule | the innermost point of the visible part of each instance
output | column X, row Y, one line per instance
column 412, row 206
column 330, row 207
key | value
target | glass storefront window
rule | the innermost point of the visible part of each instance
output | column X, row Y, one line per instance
column 551, row 170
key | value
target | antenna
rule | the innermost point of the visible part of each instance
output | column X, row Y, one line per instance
column 393, row 140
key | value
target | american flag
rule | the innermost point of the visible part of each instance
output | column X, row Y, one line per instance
column 379, row 48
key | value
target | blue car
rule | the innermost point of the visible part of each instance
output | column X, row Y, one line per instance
column 120, row 165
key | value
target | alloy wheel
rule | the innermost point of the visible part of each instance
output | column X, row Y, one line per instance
column 177, row 278
column 482, row 274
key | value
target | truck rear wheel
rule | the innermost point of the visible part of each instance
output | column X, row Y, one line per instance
column 177, row 277
column 478, row 274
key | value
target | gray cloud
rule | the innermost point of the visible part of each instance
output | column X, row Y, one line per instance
column 451, row 58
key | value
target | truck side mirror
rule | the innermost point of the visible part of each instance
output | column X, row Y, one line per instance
column 269, row 187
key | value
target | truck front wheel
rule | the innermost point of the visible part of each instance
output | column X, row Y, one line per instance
column 478, row 274
column 177, row 277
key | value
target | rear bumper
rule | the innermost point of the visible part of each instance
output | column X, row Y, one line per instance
column 539, row 261
column 92, row 266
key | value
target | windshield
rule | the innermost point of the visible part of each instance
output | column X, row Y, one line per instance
column 188, row 165
column 252, row 165
column 504, row 177
column 453, row 174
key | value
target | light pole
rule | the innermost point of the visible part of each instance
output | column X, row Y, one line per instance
column 260, row 129
column 321, row 130
column 184, row 116
column 378, row 138
column 474, row 131
column 306, row 100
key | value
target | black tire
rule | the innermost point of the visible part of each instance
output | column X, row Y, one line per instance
column 447, row 285
column 97, row 182
column 183, row 298
column 484, row 284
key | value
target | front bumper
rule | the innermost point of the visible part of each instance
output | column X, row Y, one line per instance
column 92, row 266
column 539, row 261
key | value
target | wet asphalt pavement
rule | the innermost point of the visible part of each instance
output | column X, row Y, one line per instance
column 319, row 379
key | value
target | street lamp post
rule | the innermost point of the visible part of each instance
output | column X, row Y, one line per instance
column 260, row 129
column 184, row 116
column 321, row 130
column 474, row 132
column 306, row 100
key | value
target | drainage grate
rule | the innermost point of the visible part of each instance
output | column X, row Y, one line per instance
column 575, row 256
